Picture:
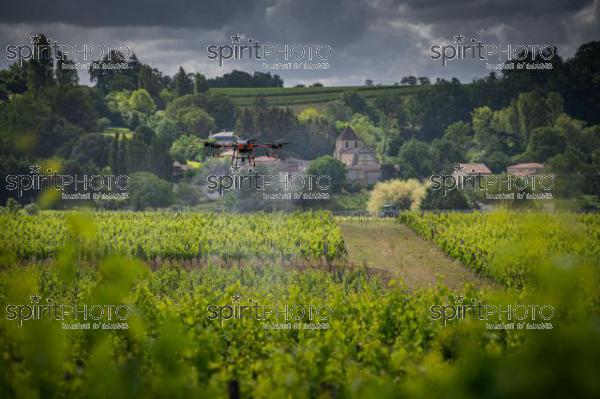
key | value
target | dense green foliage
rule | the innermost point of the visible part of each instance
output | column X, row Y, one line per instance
column 173, row 350
column 298, row 236
column 327, row 165
column 381, row 341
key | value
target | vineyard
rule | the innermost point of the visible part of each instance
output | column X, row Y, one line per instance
column 290, row 96
column 378, row 338
column 512, row 247
column 381, row 340
column 305, row 237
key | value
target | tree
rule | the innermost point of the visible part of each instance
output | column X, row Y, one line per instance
column 138, row 157
column 94, row 146
column 200, row 83
column 237, row 78
column 141, row 101
column 309, row 114
column 66, row 74
column 147, row 190
column 440, row 106
column 13, row 80
column 246, row 122
column 195, row 121
column 187, row 147
column 146, row 133
column 218, row 105
column 391, row 105
column 453, row 146
column 453, row 200
column 416, row 159
column 153, row 81
column 113, row 79
column 582, row 84
column 366, row 129
column 356, row 102
column 532, row 112
column 78, row 105
column 337, row 110
column 115, row 156
column 403, row 194
column 368, row 82
column 161, row 161
column 40, row 72
column 424, row 80
column 183, row 83
column 327, row 165
column 545, row 142
column 169, row 128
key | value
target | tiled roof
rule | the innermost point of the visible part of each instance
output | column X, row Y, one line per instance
column 475, row 168
column 526, row 165
column 348, row 134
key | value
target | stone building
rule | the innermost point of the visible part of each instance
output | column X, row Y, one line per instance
column 361, row 162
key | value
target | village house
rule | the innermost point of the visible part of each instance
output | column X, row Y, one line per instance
column 224, row 137
column 285, row 167
column 525, row 169
column 471, row 169
column 361, row 162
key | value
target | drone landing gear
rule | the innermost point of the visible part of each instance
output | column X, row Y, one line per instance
column 243, row 159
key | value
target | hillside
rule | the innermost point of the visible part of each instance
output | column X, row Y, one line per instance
column 305, row 96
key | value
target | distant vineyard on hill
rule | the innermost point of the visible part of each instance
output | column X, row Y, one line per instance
column 294, row 96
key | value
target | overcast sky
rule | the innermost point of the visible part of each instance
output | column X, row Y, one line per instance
column 382, row 40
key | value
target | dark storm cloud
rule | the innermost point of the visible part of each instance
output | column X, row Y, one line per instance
column 378, row 39
column 183, row 13
column 497, row 10
column 320, row 14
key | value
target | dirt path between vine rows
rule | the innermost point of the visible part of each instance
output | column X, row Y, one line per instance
column 402, row 253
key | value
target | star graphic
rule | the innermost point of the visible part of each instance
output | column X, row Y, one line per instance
column 35, row 39
column 235, row 169
column 458, row 38
column 236, row 297
column 34, row 169
column 459, row 168
column 473, row 39
column 459, row 298
column 35, row 298
column 235, row 38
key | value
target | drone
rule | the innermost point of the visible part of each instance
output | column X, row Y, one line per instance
column 244, row 149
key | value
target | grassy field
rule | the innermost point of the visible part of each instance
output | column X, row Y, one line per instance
column 305, row 96
column 398, row 250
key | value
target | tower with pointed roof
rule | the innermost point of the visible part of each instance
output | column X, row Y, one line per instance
column 360, row 161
